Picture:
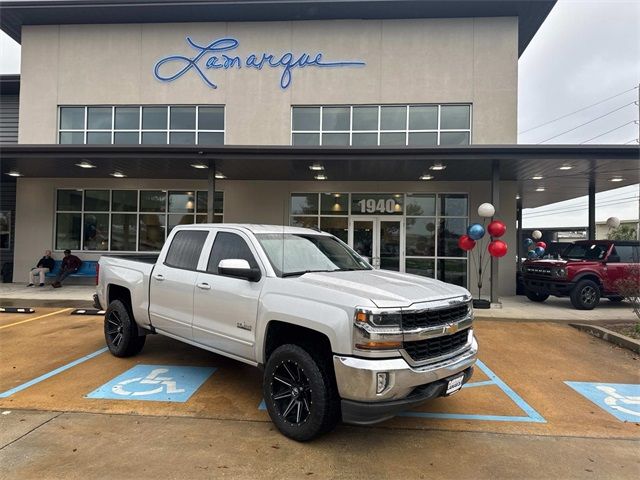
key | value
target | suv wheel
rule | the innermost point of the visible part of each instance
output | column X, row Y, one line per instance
column 585, row 295
column 536, row 297
column 121, row 331
column 300, row 393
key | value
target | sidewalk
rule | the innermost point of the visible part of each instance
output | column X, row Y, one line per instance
column 10, row 293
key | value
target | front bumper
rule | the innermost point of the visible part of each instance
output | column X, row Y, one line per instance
column 406, row 386
column 548, row 286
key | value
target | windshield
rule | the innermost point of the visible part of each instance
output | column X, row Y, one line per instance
column 291, row 254
column 586, row 251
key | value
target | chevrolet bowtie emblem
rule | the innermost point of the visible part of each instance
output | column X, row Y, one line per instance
column 451, row 329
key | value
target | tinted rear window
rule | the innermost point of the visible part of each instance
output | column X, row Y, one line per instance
column 185, row 249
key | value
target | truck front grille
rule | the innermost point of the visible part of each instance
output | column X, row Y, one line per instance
column 433, row 318
column 542, row 271
column 436, row 347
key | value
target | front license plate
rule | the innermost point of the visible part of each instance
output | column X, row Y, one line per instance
column 454, row 385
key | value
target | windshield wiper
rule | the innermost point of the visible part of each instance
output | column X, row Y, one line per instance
column 293, row 274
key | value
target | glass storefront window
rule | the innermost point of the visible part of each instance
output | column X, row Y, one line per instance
column 124, row 200
column 337, row 226
column 335, row 118
column 306, row 222
column 376, row 204
column 96, row 200
column 127, row 118
column 96, row 231
column 304, row 204
column 71, row 118
column 425, row 267
column 124, row 228
column 99, row 118
column 454, row 117
column 423, row 117
column 308, row 139
column 335, row 139
column 453, row 271
column 152, row 232
column 334, row 204
column 182, row 118
column 152, row 200
column 421, row 205
column 68, row 231
column 365, row 118
column 182, row 202
column 179, row 219
column 306, row 118
column 211, row 118
column 393, row 118
column 453, row 205
column 98, row 138
column 69, row 200
column 450, row 230
column 421, row 237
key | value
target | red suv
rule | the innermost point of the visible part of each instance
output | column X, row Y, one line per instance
column 588, row 270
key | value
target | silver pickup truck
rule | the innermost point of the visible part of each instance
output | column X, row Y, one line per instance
column 336, row 339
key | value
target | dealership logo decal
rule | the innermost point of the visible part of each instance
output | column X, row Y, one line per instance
column 211, row 57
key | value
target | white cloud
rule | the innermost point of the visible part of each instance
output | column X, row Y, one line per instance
column 9, row 55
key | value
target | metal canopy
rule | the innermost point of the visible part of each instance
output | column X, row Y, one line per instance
column 465, row 163
column 16, row 13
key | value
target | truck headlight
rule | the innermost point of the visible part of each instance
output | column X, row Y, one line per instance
column 377, row 329
column 561, row 272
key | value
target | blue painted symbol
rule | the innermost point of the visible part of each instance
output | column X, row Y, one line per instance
column 159, row 383
column 531, row 415
column 622, row 400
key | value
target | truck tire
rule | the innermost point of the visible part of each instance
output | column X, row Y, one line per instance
column 121, row 331
column 300, row 393
column 536, row 297
column 585, row 295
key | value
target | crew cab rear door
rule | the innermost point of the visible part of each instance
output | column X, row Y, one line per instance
column 172, row 283
column 226, row 307
column 614, row 271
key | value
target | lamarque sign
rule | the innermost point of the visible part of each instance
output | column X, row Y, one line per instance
column 212, row 57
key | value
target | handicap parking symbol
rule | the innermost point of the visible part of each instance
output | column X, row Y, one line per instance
column 619, row 399
column 160, row 383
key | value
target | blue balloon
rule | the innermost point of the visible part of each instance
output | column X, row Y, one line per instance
column 532, row 254
column 539, row 251
column 528, row 242
column 475, row 231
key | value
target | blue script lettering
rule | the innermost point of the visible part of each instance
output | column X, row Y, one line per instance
column 209, row 57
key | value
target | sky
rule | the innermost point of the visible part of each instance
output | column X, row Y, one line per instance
column 586, row 51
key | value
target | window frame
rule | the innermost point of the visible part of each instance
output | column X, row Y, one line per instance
column 140, row 130
column 82, row 212
column 379, row 131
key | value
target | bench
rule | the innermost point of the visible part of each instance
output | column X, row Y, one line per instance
column 86, row 270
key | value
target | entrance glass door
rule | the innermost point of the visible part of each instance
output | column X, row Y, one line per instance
column 379, row 239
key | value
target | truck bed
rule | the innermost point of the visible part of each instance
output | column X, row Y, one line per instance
column 144, row 258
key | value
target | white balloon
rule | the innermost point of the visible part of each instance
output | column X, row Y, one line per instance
column 613, row 222
column 536, row 234
column 486, row 210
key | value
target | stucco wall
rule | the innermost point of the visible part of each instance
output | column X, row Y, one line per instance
column 407, row 61
column 244, row 202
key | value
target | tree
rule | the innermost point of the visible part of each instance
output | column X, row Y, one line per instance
column 623, row 232
column 629, row 287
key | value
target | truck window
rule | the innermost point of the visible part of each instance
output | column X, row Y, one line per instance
column 185, row 249
column 626, row 253
column 226, row 246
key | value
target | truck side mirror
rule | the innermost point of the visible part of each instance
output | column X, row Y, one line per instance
column 613, row 258
column 240, row 268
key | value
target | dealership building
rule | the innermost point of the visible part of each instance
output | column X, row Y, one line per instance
column 385, row 123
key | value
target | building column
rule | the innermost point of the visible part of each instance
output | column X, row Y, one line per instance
column 211, row 191
column 591, row 230
column 495, row 200
column 519, row 230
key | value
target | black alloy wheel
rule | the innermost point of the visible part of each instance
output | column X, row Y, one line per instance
column 291, row 393
column 585, row 295
column 121, row 331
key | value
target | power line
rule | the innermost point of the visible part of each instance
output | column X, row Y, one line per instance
column 576, row 111
column 587, row 123
column 612, row 130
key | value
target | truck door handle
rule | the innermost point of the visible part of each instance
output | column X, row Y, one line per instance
column 203, row 286
column 159, row 277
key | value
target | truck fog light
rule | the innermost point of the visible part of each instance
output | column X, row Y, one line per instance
column 383, row 382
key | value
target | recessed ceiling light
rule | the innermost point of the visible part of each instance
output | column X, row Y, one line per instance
column 614, row 179
column 118, row 174
column 540, row 189
column 517, row 197
column 316, row 167
column 199, row 165
column 220, row 176
column 320, row 176
column 565, row 167
column 437, row 166
column 14, row 173
column 537, row 177
column 85, row 165
column 426, row 177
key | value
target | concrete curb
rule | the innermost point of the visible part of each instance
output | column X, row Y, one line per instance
column 609, row 336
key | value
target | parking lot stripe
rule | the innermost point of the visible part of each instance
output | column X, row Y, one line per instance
column 50, row 374
column 35, row 318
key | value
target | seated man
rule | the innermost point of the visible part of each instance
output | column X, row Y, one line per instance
column 70, row 265
column 44, row 266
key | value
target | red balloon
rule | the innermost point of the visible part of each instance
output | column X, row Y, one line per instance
column 541, row 244
column 497, row 248
column 466, row 243
column 496, row 228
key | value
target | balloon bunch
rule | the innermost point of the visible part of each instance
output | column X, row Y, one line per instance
column 476, row 232
column 535, row 249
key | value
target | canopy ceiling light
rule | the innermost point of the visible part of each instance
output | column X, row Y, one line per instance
column 565, row 167
column 118, row 174
column 220, row 176
column 426, row 177
column 316, row 167
column 199, row 165
column 14, row 173
column 540, row 189
column 320, row 176
column 437, row 166
column 614, row 179
column 537, row 177
column 85, row 164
